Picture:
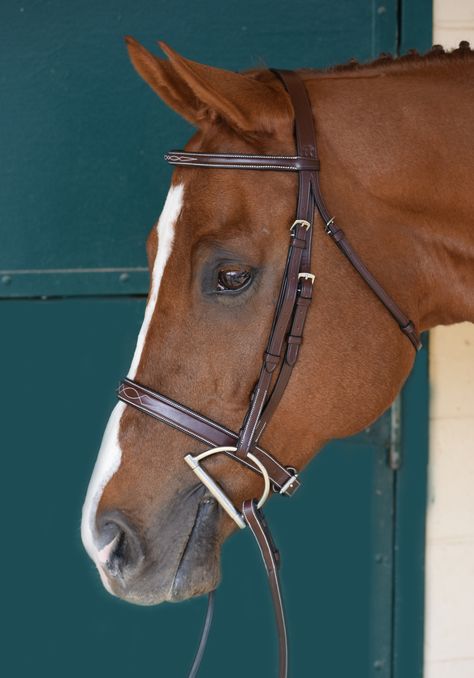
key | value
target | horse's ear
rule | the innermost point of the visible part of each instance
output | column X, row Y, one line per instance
column 162, row 78
column 203, row 94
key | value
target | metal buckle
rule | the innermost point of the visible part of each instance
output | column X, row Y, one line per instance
column 300, row 222
column 327, row 228
column 216, row 490
column 290, row 481
column 307, row 276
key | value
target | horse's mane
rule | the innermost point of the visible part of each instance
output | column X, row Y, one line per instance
column 436, row 54
column 384, row 62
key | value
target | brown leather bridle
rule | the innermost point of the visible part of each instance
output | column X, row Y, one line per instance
column 282, row 349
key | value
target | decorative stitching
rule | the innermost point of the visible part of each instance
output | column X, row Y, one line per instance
column 181, row 408
column 136, row 400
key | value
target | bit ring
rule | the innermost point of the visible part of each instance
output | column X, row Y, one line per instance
column 216, row 490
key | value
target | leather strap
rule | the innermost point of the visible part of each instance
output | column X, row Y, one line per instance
column 339, row 237
column 294, row 341
column 282, row 163
column 257, row 524
column 299, row 262
column 204, row 635
column 272, row 357
column 271, row 558
column 203, row 429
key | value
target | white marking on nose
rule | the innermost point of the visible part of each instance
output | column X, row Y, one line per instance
column 107, row 463
column 110, row 453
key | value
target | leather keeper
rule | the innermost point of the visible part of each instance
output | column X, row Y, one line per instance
column 292, row 349
column 298, row 243
column 410, row 331
column 271, row 361
column 337, row 235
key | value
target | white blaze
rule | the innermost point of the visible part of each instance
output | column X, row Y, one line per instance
column 110, row 454
column 165, row 230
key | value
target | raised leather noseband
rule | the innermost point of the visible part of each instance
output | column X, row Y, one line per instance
column 284, row 342
column 203, row 429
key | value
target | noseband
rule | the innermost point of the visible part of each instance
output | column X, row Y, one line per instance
column 281, row 352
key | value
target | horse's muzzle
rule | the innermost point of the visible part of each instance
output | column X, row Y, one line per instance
column 176, row 558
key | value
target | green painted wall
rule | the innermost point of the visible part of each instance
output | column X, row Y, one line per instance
column 82, row 136
column 82, row 181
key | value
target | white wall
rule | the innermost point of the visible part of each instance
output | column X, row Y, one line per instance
column 449, row 636
column 449, row 633
column 453, row 21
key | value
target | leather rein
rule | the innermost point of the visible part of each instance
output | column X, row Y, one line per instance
column 281, row 352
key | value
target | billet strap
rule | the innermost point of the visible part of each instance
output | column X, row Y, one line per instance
column 203, row 429
column 271, row 558
column 305, row 139
column 282, row 318
column 298, row 266
column 282, row 163
column 293, row 344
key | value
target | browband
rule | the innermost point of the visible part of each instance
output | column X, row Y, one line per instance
column 282, row 163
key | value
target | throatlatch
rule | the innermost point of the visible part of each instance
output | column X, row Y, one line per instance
column 281, row 353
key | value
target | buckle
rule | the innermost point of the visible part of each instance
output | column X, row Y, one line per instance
column 300, row 222
column 307, row 276
column 290, row 481
column 329, row 223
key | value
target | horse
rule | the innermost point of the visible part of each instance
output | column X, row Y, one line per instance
column 395, row 139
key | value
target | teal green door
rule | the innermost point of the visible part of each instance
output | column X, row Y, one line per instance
column 82, row 182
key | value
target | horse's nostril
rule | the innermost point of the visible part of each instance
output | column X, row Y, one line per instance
column 119, row 547
column 114, row 556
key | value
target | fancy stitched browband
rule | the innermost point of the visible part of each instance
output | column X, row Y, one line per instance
column 281, row 352
column 285, row 163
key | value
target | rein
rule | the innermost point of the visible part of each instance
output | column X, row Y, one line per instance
column 281, row 353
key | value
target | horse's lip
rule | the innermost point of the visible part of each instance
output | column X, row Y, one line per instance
column 198, row 569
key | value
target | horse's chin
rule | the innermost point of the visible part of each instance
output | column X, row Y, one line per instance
column 197, row 572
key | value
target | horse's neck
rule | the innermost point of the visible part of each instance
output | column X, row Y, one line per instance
column 399, row 154
column 446, row 256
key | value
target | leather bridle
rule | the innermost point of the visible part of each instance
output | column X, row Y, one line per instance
column 282, row 348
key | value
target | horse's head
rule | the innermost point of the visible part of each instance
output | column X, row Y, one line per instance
column 216, row 257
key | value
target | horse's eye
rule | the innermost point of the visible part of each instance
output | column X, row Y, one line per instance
column 233, row 279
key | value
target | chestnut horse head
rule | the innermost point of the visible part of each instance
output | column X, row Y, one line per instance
column 216, row 257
